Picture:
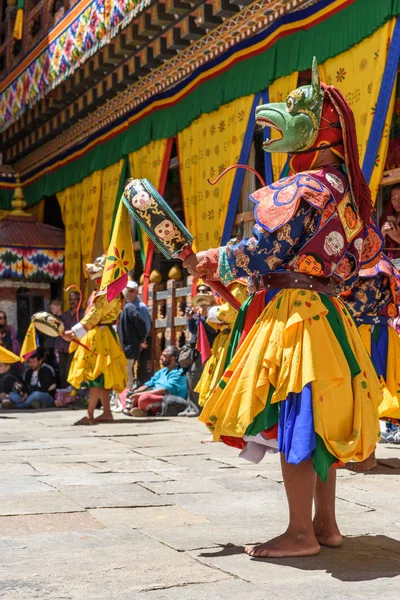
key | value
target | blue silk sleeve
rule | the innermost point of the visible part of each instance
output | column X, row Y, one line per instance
column 264, row 252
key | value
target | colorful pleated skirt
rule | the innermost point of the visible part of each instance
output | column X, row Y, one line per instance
column 105, row 362
column 214, row 367
column 300, row 382
column 383, row 345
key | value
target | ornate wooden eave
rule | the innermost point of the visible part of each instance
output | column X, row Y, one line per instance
column 161, row 46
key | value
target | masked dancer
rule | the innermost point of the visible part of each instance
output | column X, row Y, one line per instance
column 302, row 382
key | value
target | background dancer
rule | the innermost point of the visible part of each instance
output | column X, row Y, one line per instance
column 103, row 364
column 373, row 302
column 221, row 318
column 302, row 381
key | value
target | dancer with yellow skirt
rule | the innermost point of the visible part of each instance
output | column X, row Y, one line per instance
column 221, row 318
column 373, row 302
column 301, row 382
column 102, row 364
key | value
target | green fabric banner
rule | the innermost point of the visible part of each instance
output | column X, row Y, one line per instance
column 326, row 39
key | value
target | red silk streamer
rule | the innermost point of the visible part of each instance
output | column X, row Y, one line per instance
column 75, row 340
column 203, row 345
column 238, row 166
column 147, row 270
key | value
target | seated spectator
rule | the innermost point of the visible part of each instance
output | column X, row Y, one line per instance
column 171, row 379
column 39, row 385
column 9, row 339
column 8, row 382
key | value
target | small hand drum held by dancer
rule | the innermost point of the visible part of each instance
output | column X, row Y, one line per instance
column 49, row 325
column 163, row 227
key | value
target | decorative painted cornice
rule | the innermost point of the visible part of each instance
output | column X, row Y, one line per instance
column 87, row 27
column 177, row 70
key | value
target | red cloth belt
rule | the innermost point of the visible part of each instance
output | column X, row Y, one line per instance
column 292, row 279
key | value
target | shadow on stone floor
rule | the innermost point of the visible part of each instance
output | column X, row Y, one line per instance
column 386, row 466
column 361, row 558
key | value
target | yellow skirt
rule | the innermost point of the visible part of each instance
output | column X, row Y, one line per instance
column 390, row 378
column 106, row 359
column 214, row 367
column 294, row 347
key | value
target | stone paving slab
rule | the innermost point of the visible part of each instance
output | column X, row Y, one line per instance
column 101, row 479
column 40, row 468
column 36, row 503
column 22, row 484
column 219, row 590
column 141, row 510
column 173, row 517
column 133, row 464
column 16, row 469
column 110, row 496
column 22, row 525
column 102, row 562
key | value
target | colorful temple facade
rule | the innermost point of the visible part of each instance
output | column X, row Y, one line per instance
column 93, row 91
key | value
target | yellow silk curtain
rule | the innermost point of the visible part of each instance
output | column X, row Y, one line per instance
column 147, row 162
column 70, row 201
column 109, row 189
column 358, row 74
column 278, row 92
column 91, row 192
column 79, row 208
column 208, row 146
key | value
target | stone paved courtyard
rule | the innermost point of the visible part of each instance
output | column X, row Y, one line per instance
column 142, row 510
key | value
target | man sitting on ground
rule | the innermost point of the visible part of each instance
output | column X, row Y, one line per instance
column 39, row 385
column 8, row 381
column 170, row 379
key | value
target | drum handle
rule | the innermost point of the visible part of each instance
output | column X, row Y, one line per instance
column 217, row 286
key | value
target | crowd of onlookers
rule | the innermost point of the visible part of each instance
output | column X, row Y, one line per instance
column 168, row 391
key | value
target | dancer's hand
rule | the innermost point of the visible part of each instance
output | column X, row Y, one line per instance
column 68, row 336
column 394, row 232
column 191, row 262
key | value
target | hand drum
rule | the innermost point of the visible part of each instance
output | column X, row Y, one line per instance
column 48, row 324
column 157, row 219
column 163, row 226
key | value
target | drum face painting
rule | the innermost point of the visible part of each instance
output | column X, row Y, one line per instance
column 48, row 324
column 157, row 219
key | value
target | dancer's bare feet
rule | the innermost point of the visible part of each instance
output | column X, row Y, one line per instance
column 288, row 544
column 104, row 418
column 327, row 534
column 364, row 466
column 85, row 421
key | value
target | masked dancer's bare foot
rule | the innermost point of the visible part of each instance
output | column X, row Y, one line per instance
column 104, row 418
column 85, row 421
column 364, row 466
column 327, row 534
column 290, row 543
